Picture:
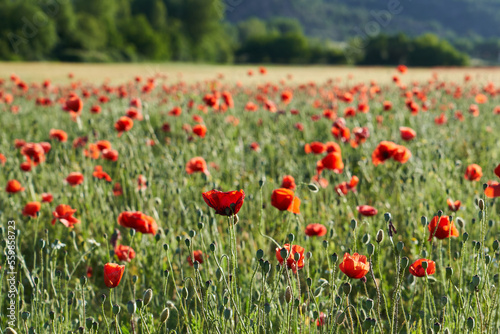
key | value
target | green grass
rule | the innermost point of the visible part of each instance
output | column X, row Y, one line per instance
column 205, row 300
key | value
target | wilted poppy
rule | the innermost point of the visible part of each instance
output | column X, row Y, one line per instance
column 13, row 186
column 197, row 256
column 31, row 209
column 355, row 266
column 138, row 221
column 124, row 253
column 473, row 172
column 224, row 203
column 290, row 261
column 64, row 213
column 367, row 210
column 123, row 124
column 417, row 270
column 74, row 179
column 284, row 199
column 197, row 164
column 453, row 205
column 407, row 133
column 288, row 182
column 113, row 274
column 443, row 230
column 316, row 230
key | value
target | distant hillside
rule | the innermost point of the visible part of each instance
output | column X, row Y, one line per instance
column 338, row 19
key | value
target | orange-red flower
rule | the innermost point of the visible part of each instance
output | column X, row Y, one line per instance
column 138, row 221
column 315, row 147
column 354, row 266
column 13, row 186
column 417, row 270
column 100, row 174
column 200, row 130
column 74, row 179
column 290, row 261
column 288, row 182
column 59, row 135
column 284, row 199
column 317, row 230
column 453, row 205
column 333, row 161
column 445, row 228
column 367, row 210
column 402, row 154
column 123, row 124
column 64, row 213
column 124, row 253
column 73, row 104
column 33, row 152
column 384, row 151
column 111, row 155
column 117, row 189
column 113, row 274
column 224, row 203
column 493, row 189
column 197, row 256
column 407, row 133
column 31, row 209
column 473, row 172
column 133, row 113
column 103, row 145
column 142, row 182
column 47, row 198
column 3, row 159
column 197, row 164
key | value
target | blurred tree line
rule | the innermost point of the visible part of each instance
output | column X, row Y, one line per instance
column 195, row 30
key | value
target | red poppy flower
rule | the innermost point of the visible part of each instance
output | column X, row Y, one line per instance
column 333, row 161
column 441, row 119
column 123, row 124
column 3, row 159
column 73, row 104
column 35, row 153
column 117, row 189
column 284, row 199
column 200, row 130
column 133, row 113
column 111, row 155
column 224, row 203
column 402, row 69
column 290, row 261
column 402, row 154
column 197, row 164
column 453, row 206
column 96, row 109
column 90, row 272
column 46, row 146
column 443, row 230
column 481, row 98
column 59, row 135
column 417, row 270
column 367, row 210
column 332, row 146
column 138, row 221
column 124, row 253
column 80, row 142
column 321, row 181
column 103, row 145
column 407, row 133
column 286, row 96
column 493, row 189
column 321, row 320
column 25, row 166
column 354, row 266
column 142, row 182
column 317, row 147
column 176, row 111
column 288, row 182
column 473, row 172
column 13, row 186
column 197, row 255
column 64, row 213
column 100, row 174
column 317, row 230
column 255, row 147
column 47, row 198
column 74, row 179
column 31, row 209
column 384, row 151
column 387, row 105
column 113, row 274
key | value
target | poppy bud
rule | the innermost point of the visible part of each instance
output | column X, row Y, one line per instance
column 200, row 225
column 346, row 287
column 366, row 238
column 165, row 247
column 296, row 256
column 437, row 327
column 340, row 317
column 131, row 232
column 423, row 220
column 481, row 205
column 400, row 246
column 334, row 258
column 147, row 296
column 103, row 298
column 446, row 331
column 313, row 188
column 262, row 181
column 354, row 224
column 25, row 315
column 460, row 222
column 9, row 330
column 284, row 253
column 236, row 219
column 465, row 236
column 139, row 303
column 470, row 323
column 192, row 233
column 131, row 307
column 196, row 265
column 291, row 237
column 449, row 272
column 380, row 236
column 475, row 281
column 309, row 281
column 317, row 292
column 260, row 254
column 116, row 309
column 309, row 255
column 212, row 247
column 41, row 244
column 387, row 217
column 188, row 242
column 134, row 279
column 439, row 213
column 368, row 304
column 367, row 324
column 325, row 244
column 444, row 300
column 288, row 294
column 164, row 315
column 83, row 280
column 404, row 263
column 473, row 221
column 496, row 278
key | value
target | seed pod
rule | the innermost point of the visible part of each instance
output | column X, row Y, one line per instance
column 380, row 236
column 228, row 313
column 449, row 272
column 423, row 221
column 131, row 307
column 340, row 317
column 116, row 309
column 164, row 315
column 400, row 245
column 404, row 263
column 147, row 296
column 346, row 287
column 366, row 238
column 354, row 224
column 288, row 294
column 470, row 323
column 370, row 248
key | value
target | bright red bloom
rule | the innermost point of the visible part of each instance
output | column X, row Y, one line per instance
column 321, row 320
column 111, row 155
column 317, row 147
column 59, row 135
column 473, row 172
column 103, row 145
column 288, row 182
column 197, row 164
column 142, row 182
column 317, row 230
column 402, row 154
column 354, row 266
column 367, row 210
column 417, row 270
column 407, row 133
column 117, row 189
column 384, row 151
column 35, row 153
column 333, row 161
column 64, row 213
column 31, row 209
column 443, row 230
column 13, row 186
column 47, row 198
column 3, row 159
column 453, row 205
column 402, row 69
column 73, row 104
column 123, row 124
column 493, row 189
column 124, row 253
column 197, row 255
column 200, row 130
column 74, row 179
column 255, row 147
column 113, row 274
column 138, row 221
column 290, row 261
column 46, row 146
column 224, row 203
column 284, row 199
column 100, row 174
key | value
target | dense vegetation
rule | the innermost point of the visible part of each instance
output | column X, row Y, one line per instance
column 217, row 31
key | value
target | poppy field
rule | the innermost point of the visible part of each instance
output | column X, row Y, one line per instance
column 158, row 205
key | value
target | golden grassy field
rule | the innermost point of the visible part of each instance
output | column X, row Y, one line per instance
column 97, row 73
